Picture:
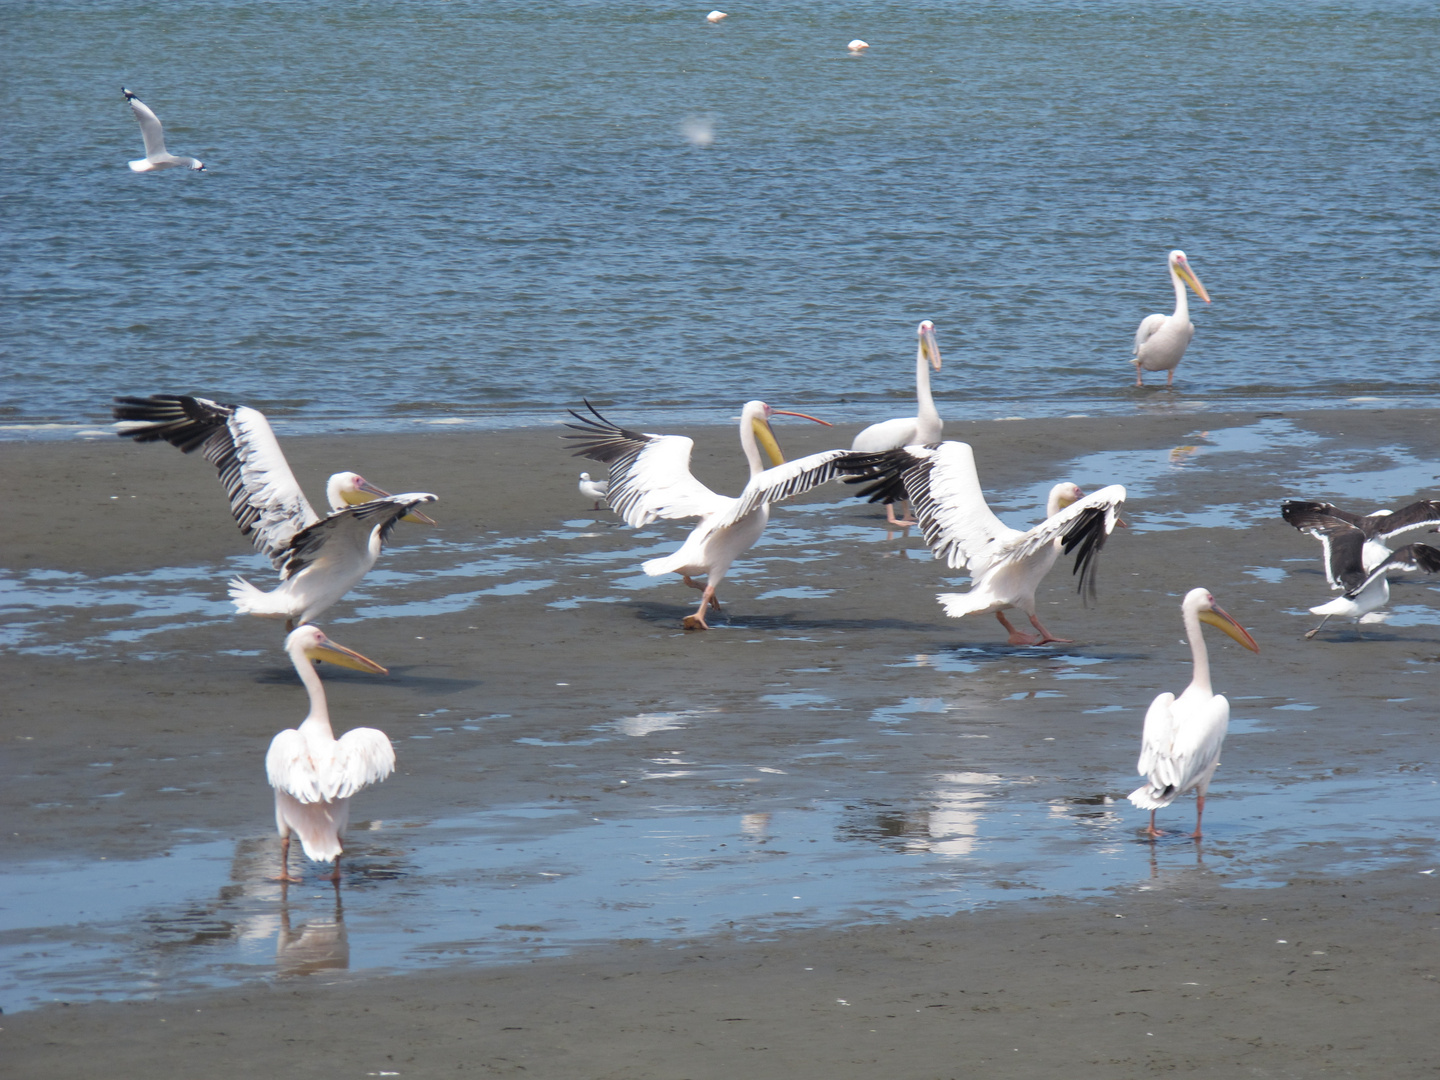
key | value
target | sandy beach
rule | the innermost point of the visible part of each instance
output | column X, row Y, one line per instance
column 1298, row 939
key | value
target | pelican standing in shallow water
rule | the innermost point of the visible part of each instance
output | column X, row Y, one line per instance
column 1180, row 746
column 319, row 559
column 156, row 156
column 1161, row 340
column 922, row 429
column 1006, row 565
column 313, row 773
column 650, row 478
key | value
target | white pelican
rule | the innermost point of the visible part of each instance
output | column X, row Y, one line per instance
column 319, row 559
column 1161, row 340
column 1180, row 746
column 156, row 156
column 858, row 46
column 313, row 773
column 1006, row 565
column 922, row 429
column 650, row 478
column 716, row 16
column 593, row 490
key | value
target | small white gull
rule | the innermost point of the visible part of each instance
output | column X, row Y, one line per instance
column 156, row 156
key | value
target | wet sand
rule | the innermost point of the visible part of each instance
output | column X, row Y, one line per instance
column 1329, row 969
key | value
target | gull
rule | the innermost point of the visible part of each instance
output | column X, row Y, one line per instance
column 156, row 156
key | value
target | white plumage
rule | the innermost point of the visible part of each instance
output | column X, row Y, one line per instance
column 921, row 429
column 1161, row 340
column 1180, row 744
column 1006, row 565
column 594, row 490
column 319, row 559
column 313, row 773
column 650, row 478
column 156, row 156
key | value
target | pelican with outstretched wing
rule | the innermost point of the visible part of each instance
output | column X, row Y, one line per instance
column 650, row 478
column 921, row 429
column 1006, row 565
column 319, row 559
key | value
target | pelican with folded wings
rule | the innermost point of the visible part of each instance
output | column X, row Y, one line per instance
column 1006, row 565
column 650, row 478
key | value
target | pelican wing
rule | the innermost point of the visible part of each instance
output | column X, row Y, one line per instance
column 649, row 474
column 265, row 498
column 784, row 481
column 316, row 773
column 1157, row 735
column 945, row 496
column 1183, row 744
column 1149, row 326
column 1414, row 558
column 345, row 536
column 150, row 129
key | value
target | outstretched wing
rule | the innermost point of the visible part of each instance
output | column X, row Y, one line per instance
column 1417, row 515
column 363, row 756
column 1343, row 542
column 150, row 129
column 649, row 474
column 346, row 535
column 265, row 498
column 784, row 481
column 1414, row 558
column 945, row 496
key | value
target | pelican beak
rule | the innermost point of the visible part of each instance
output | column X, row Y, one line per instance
column 766, row 438
column 354, row 498
column 1221, row 621
column 1188, row 276
column 928, row 349
column 419, row 518
column 338, row 654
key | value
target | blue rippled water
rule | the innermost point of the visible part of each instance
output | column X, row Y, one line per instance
column 486, row 209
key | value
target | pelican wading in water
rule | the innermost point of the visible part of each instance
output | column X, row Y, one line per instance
column 1161, row 340
column 319, row 559
column 1006, row 565
column 313, row 773
column 922, row 429
column 1357, row 558
column 156, row 156
column 1180, row 746
column 650, row 478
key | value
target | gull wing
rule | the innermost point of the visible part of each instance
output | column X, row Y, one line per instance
column 1148, row 326
column 150, row 129
column 649, row 474
column 784, row 481
column 345, row 536
column 1342, row 541
column 1415, row 558
column 265, row 498
column 1415, row 516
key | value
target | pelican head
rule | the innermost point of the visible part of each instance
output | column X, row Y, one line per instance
column 757, row 414
column 1212, row 614
column 1061, row 496
column 351, row 489
column 1180, row 267
column 311, row 641
column 928, row 349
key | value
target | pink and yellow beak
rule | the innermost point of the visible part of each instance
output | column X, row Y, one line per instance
column 335, row 653
column 929, row 350
column 1217, row 618
column 354, row 497
column 765, row 437
column 1188, row 276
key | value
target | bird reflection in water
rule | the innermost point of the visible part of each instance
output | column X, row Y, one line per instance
column 319, row 943
column 950, row 826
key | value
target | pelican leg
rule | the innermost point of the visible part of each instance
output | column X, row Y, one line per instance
column 697, row 621
column 1045, row 636
column 1016, row 637
column 1139, row 375
column 1152, row 831
column 1311, row 633
column 1170, row 379
column 1199, row 813
column 335, row 875
column 893, row 520
column 714, row 600
column 285, row 864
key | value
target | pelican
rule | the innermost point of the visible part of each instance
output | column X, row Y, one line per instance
column 716, row 16
column 593, row 490
column 923, row 429
column 156, row 156
column 313, row 773
column 857, row 46
column 1180, row 746
column 650, row 478
column 1006, row 565
column 319, row 559
column 1161, row 340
